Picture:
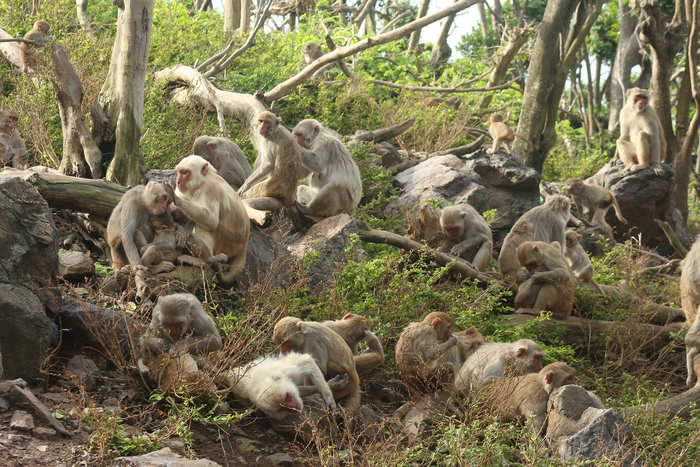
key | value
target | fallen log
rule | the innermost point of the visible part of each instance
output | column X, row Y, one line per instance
column 460, row 151
column 382, row 134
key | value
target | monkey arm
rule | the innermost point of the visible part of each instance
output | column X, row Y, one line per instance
column 551, row 277
column 259, row 174
column 205, row 216
column 311, row 161
column 470, row 243
column 432, row 353
column 201, row 344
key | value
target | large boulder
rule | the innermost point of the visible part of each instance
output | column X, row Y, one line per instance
column 643, row 197
column 486, row 181
column 28, row 284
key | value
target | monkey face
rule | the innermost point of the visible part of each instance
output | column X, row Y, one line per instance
column 263, row 126
column 300, row 139
column 640, row 102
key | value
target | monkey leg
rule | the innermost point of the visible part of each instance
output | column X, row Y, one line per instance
column 236, row 267
column 483, row 256
column 305, row 194
column 527, row 295
column 494, row 147
column 627, row 152
column 598, row 217
column 334, row 198
column 585, row 274
column 689, row 357
column 642, row 143
column 264, row 204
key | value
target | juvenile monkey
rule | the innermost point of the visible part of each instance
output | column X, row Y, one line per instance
column 355, row 329
column 128, row 228
column 502, row 134
column 278, row 168
column 420, row 351
column 692, row 349
column 468, row 235
column 508, row 263
column 436, row 101
column 332, row 355
column 549, row 220
column 595, row 198
column 335, row 185
column 690, row 282
column 312, row 52
column 578, row 259
column 468, row 341
column 642, row 141
column 32, row 58
column 548, row 282
column 12, row 148
column 226, row 157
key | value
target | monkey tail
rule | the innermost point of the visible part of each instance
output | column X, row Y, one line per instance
column 518, row 135
column 352, row 401
column 617, row 210
column 235, row 270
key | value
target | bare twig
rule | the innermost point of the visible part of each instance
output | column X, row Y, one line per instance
column 460, row 151
column 446, row 90
column 672, row 237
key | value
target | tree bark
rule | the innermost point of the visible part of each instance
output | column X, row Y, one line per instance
column 83, row 17
column 517, row 37
column 415, row 35
column 441, row 50
column 10, row 50
column 122, row 94
column 483, row 22
column 81, row 156
column 625, row 56
column 244, row 23
column 232, row 15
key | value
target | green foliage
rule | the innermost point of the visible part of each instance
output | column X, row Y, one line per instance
column 571, row 158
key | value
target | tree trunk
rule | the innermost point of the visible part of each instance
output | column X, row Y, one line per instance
column 245, row 18
column 496, row 16
column 441, row 50
column 10, row 50
column 415, row 35
column 83, row 17
column 121, row 96
column 626, row 56
column 81, row 156
column 232, row 15
column 517, row 37
column 483, row 21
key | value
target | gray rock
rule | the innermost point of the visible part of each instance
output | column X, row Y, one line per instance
column 83, row 372
column 369, row 424
column 265, row 255
column 162, row 176
column 162, row 458
column 4, row 404
column 174, row 445
column 281, row 459
column 21, row 420
column 75, row 266
column 570, row 409
column 28, row 284
column 44, row 433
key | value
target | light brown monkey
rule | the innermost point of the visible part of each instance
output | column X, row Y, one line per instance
column 468, row 235
column 32, row 58
column 335, row 185
column 642, row 141
column 312, row 52
column 275, row 383
column 508, row 263
column 493, row 360
column 223, row 225
column 436, row 101
column 278, row 167
column 692, row 350
column 12, row 148
column 548, row 282
column 6, row 386
column 420, row 353
column 578, row 259
column 332, row 355
column 549, row 220
column 690, row 282
column 128, row 229
column 595, row 198
column 502, row 134
column 179, row 329
column 529, row 394
column 355, row 329
column 467, row 342
column 226, row 157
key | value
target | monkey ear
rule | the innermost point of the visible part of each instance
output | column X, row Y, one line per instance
column 299, row 327
column 435, row 322
column 205, row 168
column 549, row 377
column 470, row 331
column 520, row 352
column 464, row 215
column 536, row 248
column 579, row 237
column 212, row 144
column 317, row 129
column 149, row 185
column 348, row 316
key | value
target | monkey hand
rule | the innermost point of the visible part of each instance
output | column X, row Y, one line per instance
column 19, row 382
column 658, row 170
column 166, row 266
column 451, row 341
column 457, row 250
column 523, row 275
column 338, row 382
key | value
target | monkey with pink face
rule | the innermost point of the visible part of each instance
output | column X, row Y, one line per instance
column 468, row 235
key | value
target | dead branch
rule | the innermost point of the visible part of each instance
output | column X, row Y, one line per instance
column 672, row 237
column 460, row 151
column 407, row 87
column 10, row 50
column 645, row 252
column 676, row 406
column 382, row 134
column 668, row 268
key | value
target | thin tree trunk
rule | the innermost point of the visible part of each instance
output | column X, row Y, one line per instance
column 83, row 17
column 415, row 35
column 232, row 15
column 625, row 56
column 589, row 92
column 517, row 37
column 496, row 16
column 244, row 21
column 441, row 50
column 122, row 94
column 596, row 90
column 483, row 21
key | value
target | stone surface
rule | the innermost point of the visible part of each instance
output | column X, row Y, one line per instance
column 162, row 176
column 28, row 284
column 44, row 433
column 21, row 420
column 75, row 266
column 265, row 255
column 281, row 459
column 486, row 181
column 83, row 372
column 162, row 458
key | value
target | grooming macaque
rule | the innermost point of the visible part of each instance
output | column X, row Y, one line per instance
column 690, row 282
column 335, row 185
column 692, row 349
column 493, row 360
column 468, row 235
column 274, row 383
column 547, row 281
column 529, row 394
column 312, row 52
column 578, row 259
column 355, row 329
column 222, row 223
column 332, row 355
column 595, row 198
column 549, row 220
column 278, row 168
column 436, row 101
column 6, row 386
column 128, row 229
column 502, row 134
column 31, row 57
column 226, row 157
column 179, row 329
column 12, row 147
column 420, row 351
column 467, row 342
column 508, row 263
column 642, row 141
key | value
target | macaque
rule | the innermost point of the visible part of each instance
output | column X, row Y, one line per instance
column 32, row 58
column 278, row 168
column 6, row 386
column 355, row 329
column 508, row 263
column 226, row 157
column 12, row 148
column 578, row 259
column 312, row 52
column 436, row 101
column 642, row 141
column 222, row 223
column 549, row 220
column 692, row 349
column 128, row 229
column 332, row 355
column 274, row 383
column 529, row 394
column 493, row 360
column 547, row 281
column 335, row 185
column 179, row 329
column 468, row 341
column 468, row 235
column 502, row 134
column 595, row 198
column 420, row 351
column 690, row 282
